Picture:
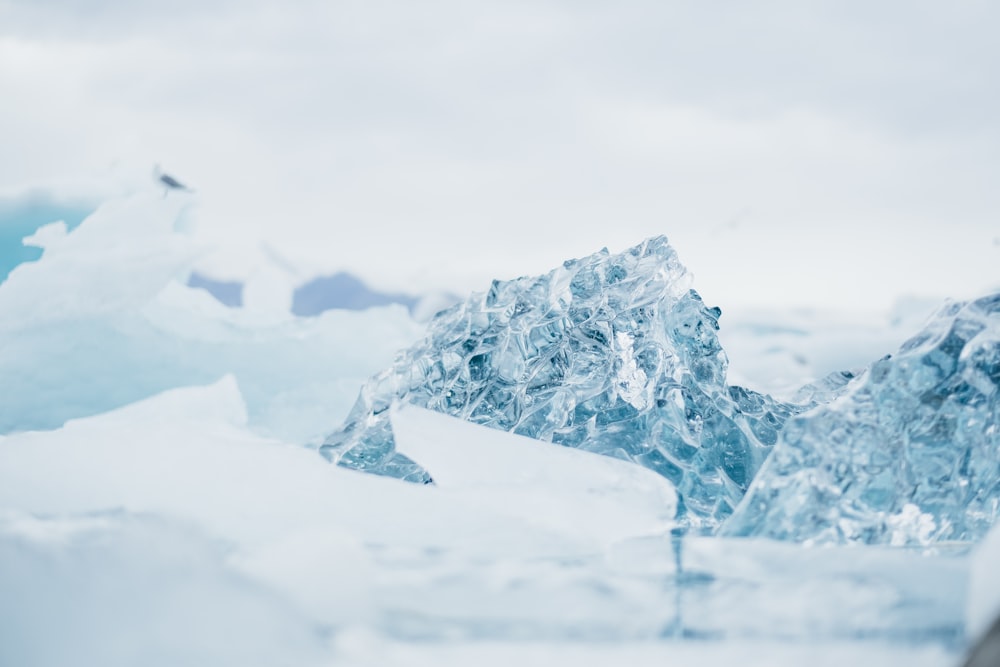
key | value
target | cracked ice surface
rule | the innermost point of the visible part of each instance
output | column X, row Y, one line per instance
column 908, row 455
column 613, row 354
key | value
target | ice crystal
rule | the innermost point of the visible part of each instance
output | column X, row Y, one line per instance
column 613, row 354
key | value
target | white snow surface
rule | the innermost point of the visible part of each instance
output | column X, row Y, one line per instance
column 162, row 503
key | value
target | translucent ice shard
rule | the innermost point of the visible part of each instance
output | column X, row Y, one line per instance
column 613, row 354
column 908, row 454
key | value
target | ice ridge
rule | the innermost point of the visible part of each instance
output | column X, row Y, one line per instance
column 614, row 354
column 907, row 455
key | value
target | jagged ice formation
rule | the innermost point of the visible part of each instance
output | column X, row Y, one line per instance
column 909, row 454
column 613, row 354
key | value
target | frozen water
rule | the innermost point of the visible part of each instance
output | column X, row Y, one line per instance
column 509, row 473
column 337, row 547
column 104, row 318
column 192, row 527
column 179, row 503
column 614, row 354
column 908, row 455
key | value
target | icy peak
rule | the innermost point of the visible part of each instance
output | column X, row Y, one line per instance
column 611, row 353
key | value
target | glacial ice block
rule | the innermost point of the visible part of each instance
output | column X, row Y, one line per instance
column 613, row 354
column 908, row 454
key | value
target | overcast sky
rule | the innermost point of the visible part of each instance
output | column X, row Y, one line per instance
column 795, row 153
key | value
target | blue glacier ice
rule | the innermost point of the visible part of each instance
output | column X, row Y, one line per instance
column 613, row 354
column 908, row 454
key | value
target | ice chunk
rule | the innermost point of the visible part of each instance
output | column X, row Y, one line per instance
column 614, row 354
column 103, row 319
column 557, row 488
column 908, row 455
